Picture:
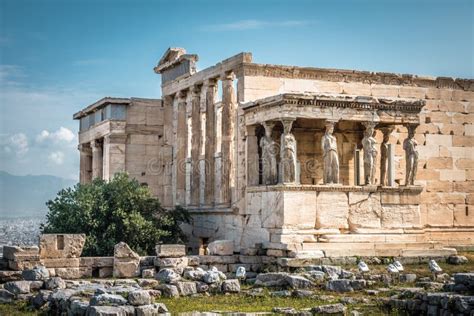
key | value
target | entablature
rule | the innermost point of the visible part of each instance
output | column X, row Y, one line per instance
column 333, row 107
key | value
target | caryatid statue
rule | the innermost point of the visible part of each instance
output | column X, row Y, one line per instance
column 384, row 153
column 331, row 160
column 288, row 153
column 370, row 153
column 269, row 151
column 411, row 155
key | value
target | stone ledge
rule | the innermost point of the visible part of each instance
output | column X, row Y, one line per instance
column 335, row 188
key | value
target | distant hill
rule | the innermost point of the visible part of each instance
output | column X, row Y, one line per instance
column 25, row 196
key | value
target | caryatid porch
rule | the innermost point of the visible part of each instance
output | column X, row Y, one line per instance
column 328, row 166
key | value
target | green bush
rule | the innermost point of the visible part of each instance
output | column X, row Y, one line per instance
column 112, row 211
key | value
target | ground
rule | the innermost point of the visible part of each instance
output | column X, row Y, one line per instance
column 244, row 303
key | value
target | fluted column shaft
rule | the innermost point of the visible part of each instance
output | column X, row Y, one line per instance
column 181, row 149
column 229, row 103
column 210, row 142
column 195, row 145
column 85, row 174
column 97, row 159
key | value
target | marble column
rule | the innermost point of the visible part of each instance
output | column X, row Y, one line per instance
column 85, row 174
column 210, row 141
column 252, row 156
column 386, row 158
column 370, row 153
column 288, row 154
column 411, row 155
column 330, row 156
column 269, row 152
column 195, row 144
column 181, row 148
column 97, row 159
column 229, row 113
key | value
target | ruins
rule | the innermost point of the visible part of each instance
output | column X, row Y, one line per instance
column 297, row 161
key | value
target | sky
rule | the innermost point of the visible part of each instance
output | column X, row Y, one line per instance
column 57, row 57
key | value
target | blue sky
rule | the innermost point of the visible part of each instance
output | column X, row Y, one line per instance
column 59, row 56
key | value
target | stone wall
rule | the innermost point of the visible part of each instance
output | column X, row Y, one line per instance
column 144, row 147
column 445, row 135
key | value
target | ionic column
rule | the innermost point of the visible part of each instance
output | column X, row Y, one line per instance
column 387, row 167
column 411, row 155
column 370, row 153
column 269, row 151
column 288, row 156
column 97, row 159
column 181, row 149
column 252, row 156
column 229, row 113
column 195, row 144
column 85, row 174
column 210, row 142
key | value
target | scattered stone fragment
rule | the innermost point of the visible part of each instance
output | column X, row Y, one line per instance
column 107, row 299
column 221, row 248
column 280, row 293
column 274, row 279
column 298, row 282
column 302, row 293
column 18, row 287
column 186, row 288
column 457, row 260
column 167, row 276
column 330, row 309
column 408, row 277
column 231, row 286
column 168, row 290
column 151, row 309
column 283, row 310
column 38, row 273
column 147, row 282
column 339, row 286
column 54, row 283
column 78, row 307
column 6, row 296
column 139, row 297
column 126, row 261
column 104, row 311
column 148, row 273
column 201, row 287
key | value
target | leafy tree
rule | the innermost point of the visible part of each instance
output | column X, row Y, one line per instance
column 112, row 211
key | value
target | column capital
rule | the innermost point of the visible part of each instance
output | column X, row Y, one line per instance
column 369, row 124
column 287, row 124
column 182, row 95
column 387, row 130
column 85, row 147
column 96, row 143
column 196, row 90
column 227, row 76
column 211, row 82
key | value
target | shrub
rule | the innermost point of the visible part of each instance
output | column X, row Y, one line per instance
column 112, row 211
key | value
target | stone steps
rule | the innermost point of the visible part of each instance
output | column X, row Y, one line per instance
column 342, row 249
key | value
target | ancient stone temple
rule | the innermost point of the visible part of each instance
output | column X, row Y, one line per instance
column 300, row 161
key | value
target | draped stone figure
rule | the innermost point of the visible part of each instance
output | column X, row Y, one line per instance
column 288, row 154
column 331, row 160
column 370, row 153
column 384, row 156
column 269, row 161
column 411, row 156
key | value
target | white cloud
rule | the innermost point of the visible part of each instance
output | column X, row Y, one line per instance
column 255, row 24
column 17, row 143
column 63, row 134
column 56, row 157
